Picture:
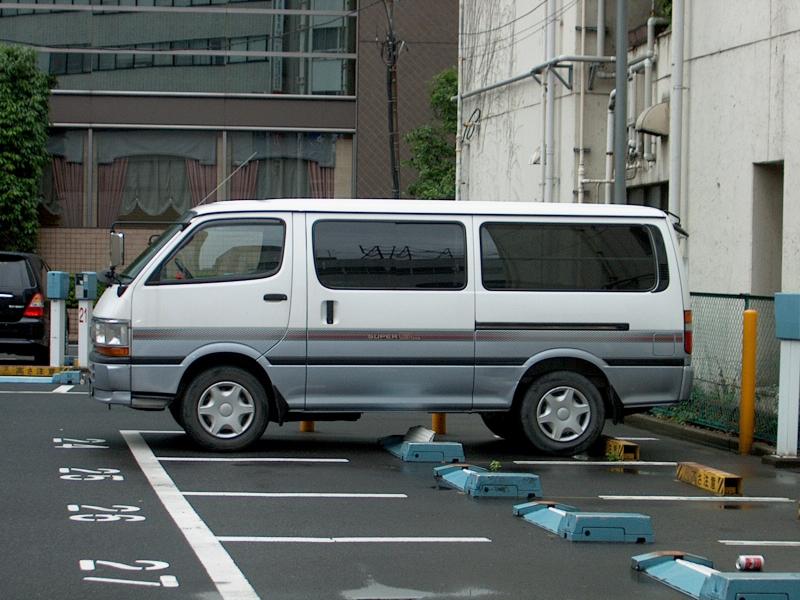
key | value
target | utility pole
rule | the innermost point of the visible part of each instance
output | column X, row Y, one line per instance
column 390, row 52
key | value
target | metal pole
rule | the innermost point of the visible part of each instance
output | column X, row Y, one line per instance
column 747, row 402
column 439, row 423
column 391, row 93
column 621, row 105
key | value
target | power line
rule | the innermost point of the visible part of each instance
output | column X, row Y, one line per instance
column 514, row 41
column 522, row 16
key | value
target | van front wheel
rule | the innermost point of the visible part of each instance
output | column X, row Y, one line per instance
column 225, row 408
column 562, row 413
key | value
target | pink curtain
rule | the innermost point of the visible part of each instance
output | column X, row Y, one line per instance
column 110, row 184
column 245, row 182
column 202, row 180
column 68, row 183
column 320, row 180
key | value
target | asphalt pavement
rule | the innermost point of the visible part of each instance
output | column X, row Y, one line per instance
column 101, row 503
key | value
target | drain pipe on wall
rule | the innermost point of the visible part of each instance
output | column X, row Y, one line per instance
column 676, row 109
column 610, row 146
column 581, row 71
column 601, row 27
column 649, row 63
column 621, row 104
column 459, row 99
column 549, row 142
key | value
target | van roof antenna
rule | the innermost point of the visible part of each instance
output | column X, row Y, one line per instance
column 224, row 181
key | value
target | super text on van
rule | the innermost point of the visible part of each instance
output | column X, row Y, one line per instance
column 545, row 319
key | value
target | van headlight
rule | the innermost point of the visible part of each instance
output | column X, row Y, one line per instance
column 111, row 337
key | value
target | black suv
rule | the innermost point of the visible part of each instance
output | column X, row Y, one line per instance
column 23, row 321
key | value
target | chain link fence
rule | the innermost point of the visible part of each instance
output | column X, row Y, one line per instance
column 717, row 361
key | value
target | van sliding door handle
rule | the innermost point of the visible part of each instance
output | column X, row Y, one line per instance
column 329, row 312
column 275, row 297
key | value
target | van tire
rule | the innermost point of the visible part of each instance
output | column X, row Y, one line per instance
column 562, row 413
column 504, row 424
column 224, row 409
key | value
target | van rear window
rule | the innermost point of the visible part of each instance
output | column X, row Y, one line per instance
column 570, row 257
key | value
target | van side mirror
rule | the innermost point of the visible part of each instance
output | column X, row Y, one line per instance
column 117, row 246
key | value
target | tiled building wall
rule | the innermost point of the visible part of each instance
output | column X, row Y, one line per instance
column 85, row 249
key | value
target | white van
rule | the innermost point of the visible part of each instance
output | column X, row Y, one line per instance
column 546, row 319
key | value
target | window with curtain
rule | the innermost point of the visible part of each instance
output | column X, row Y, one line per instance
column 282, row 165
column 153, row 175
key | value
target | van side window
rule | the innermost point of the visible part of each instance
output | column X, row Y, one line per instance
column 571, row 257
column 390, row 255
column 224, row 251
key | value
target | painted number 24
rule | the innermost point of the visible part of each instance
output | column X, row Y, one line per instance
column 167, row 581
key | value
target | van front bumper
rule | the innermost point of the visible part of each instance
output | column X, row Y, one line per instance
column 110, row 380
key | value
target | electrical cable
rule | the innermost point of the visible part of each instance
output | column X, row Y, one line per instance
column 514, row 41
column 519, row 18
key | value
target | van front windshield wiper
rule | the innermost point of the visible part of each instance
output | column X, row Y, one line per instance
column 111, row 276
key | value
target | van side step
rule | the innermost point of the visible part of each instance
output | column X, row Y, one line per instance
column 312, row 416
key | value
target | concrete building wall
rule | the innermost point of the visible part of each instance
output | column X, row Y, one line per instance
column 741, row 138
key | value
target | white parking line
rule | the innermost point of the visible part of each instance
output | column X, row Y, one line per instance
column 290, row 495
column 724, row 499
column 228, row 579
column 598, row 463
column 355, row 540
column 63, row 389
column 629, row 438
column 760, row 543
column 263, row 460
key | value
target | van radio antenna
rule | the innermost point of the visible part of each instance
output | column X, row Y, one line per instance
column 224, row 181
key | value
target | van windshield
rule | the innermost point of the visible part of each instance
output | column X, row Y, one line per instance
column 133, row 269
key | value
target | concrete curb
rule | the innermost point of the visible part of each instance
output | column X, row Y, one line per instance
column 689, row 433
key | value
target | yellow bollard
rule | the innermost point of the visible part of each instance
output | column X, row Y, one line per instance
column 439, row 423
column 747, row 403
column 306, row 426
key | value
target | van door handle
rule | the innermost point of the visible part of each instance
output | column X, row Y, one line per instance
column 275, row 297
column 329, row 312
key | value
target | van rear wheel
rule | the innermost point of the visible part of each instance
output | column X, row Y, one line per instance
column 225, row 408
column 562, row 413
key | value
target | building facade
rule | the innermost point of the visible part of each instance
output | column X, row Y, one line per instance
column 161, row 105
column 738, row 197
